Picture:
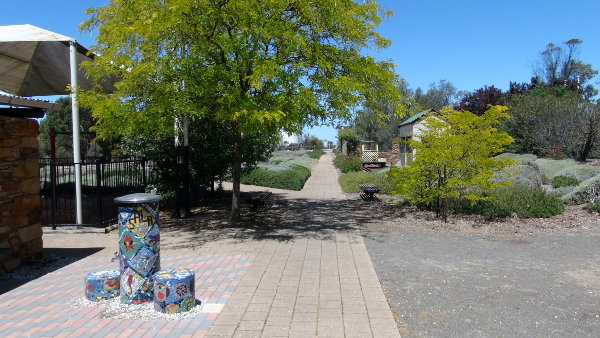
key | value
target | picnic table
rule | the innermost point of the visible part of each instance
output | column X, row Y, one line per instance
column 369, row 190
column 261, row 201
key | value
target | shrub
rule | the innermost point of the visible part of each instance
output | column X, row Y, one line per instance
column 348, row 164
column 351, row 137
column 564, row 181
column 526, row 173
column 552, row 168
column 317, row 153
column 350, row 181
column 557, row 153
column 526, row 202
column 454, row 158
column 593, row 207
column 522, row 158
column 291, row 179
column 562, row 191
column 585, row 192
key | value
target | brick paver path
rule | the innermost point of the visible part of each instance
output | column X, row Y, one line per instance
column 311, row 276
column 317, row 279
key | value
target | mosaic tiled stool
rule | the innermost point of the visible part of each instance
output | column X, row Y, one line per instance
column 174, row 290
column 102, row 285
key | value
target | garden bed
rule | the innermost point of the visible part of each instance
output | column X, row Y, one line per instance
column 390, row 215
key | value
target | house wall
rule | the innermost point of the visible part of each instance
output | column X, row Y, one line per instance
column 20, row 228
column 405, row 131
column 418, row 129
column 413, row 131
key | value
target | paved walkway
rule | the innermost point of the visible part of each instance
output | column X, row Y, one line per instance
column 312, row 276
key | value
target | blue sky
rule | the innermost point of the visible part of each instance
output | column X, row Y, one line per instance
column 470, row 43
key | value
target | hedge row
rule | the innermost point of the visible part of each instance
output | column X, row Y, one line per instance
column 291, row 179
column 348, row 164
column 525, row 202
column 317, row 153
column 350, row 181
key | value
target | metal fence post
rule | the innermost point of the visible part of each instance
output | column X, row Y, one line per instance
column 53, row 193
column 98, row 191
column 144, row 177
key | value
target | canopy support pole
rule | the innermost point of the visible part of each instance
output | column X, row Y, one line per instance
column 76, row 140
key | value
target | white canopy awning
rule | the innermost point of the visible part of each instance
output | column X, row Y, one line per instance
column 35, row 62
column 20, row 101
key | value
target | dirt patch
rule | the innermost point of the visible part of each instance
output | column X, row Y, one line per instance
column 587, row 278
column 394, row 216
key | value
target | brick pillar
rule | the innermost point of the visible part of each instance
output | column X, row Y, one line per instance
column 20, row 228
column 394, row 154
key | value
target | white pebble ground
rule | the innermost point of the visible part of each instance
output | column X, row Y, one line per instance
column 113, row 308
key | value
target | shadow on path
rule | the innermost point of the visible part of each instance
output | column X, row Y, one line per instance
column 53, row 259
column 286, row 220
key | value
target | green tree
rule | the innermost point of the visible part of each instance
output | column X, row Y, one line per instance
column 381, row 124
column 454, row 159
column 255, row 64
column 314, row 142
column 438, row 95
column 560, row 66
column 348, row 141
column 553, row 121
column 211, row 148
column 478, row 101
column 60, row 119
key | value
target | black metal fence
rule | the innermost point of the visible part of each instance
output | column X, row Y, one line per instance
column 101, row 182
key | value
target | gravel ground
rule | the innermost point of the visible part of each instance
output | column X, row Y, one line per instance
column 474, row 277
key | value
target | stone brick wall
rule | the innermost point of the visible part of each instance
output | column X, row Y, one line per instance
column 392, row 157
column 20, row 228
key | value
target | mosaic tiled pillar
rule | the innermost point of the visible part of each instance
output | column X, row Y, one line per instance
column 174, row 290
column 139, row 246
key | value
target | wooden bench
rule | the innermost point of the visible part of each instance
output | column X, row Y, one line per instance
column 369, row 191
column 261, row 201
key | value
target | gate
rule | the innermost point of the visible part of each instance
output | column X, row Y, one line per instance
column 101, row 182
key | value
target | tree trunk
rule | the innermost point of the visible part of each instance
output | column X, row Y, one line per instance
column 589, row 143
column 445, row 198
column 445, row 209
column 237, row 169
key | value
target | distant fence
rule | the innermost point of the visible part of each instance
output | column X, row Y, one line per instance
column 101, row 182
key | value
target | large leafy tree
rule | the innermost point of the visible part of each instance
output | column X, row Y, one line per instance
column 454, row 159
column 211, row 148
column 370, row 126
column 438, row 95
column 252, row 63
column 479, row 100
column 560, row 66
column 551, row 121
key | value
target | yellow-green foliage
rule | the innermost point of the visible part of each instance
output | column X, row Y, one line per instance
column 454, row 158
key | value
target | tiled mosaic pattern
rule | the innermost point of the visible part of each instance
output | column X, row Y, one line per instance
column 139, row 251
column 43, row 307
